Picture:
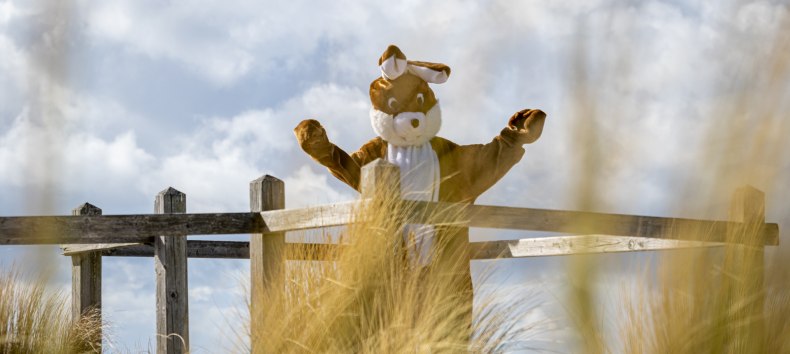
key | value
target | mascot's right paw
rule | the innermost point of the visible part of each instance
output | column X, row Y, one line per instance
column 528, row 125
column 310, row 133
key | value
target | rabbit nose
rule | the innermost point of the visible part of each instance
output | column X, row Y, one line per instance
column 415, row 123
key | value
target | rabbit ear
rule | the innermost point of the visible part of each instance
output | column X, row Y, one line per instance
column 433, row 73
column 392, row 63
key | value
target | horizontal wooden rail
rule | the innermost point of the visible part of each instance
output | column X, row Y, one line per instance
column 207, row 249
column 528, row 247
column 338, row 214
column 77, row 249
column 106, row 229
column 139, row 228
column 485, row 216
column 195, row 249
column 121, row 228
column 578, row 244
column 581, row 222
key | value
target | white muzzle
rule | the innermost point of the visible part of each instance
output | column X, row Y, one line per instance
column 407, row 128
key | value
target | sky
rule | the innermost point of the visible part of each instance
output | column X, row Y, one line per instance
column 111, row 102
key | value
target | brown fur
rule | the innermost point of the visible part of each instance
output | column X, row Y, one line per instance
column 467, row 170
column 390, row 51
column 404, row 89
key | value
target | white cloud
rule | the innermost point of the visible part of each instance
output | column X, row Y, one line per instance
column 112, row 20
column 225, row 43
column 123, row 158
column 167, row 32
column 212, row 183
column 343, row 111
column 129, row 301
column 306, row 187
column 201, row 293
column 14, row 71
column 760, row 17
column 215, row 164
column 658, row 73
column 218, row 41
column 7, row 11
column 68, row 157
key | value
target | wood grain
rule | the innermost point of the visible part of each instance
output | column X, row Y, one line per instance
column 170, row 263
column 86, row 274
column 139, row 228
column 267, row 260
column 122, row 228
column 577, row 244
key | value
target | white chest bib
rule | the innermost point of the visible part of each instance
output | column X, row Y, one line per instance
column 419, row 180
column 419, row 171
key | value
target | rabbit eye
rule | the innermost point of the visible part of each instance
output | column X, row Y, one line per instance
column 394, row 104
column 420, row 99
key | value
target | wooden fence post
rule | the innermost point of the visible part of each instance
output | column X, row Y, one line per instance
column 170, row 262
column 379, row 173
column 380, row 185
column 86, row 285
column 267, row 261
column 748, row 258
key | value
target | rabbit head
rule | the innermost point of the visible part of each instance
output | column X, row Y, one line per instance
column 405, row 111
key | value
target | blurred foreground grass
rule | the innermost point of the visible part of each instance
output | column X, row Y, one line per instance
column 378, row 297
column 375, row 300
column 37, row 319
column 730, row 300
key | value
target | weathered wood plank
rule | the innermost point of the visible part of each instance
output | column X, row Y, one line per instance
column 577, row 244
column 141, row 228
column 27, row 230
column 581, row 222
column 338, row 214
column 195, row 249
column 75, row 249
column 212, row 249
column 138, row 228
column 744, row 263
column 379, row 173
column 86, row 272
column 267, row 261
column 531, row 247
column 170, row 263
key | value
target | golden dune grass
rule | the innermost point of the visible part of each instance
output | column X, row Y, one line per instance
column 36, row 319
column 702, row 301
column 375, row 298
column 726, row 300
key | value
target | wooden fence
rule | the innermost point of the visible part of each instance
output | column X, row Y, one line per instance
column 87, row 236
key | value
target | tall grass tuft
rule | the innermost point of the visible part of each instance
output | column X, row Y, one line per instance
column 373, row 295
column 36, row 319
column 731, row 299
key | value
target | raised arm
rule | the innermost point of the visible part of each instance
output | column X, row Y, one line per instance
column 485, row 164
column 313, row 140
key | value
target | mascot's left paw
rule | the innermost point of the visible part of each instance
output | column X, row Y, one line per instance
column 528, row 123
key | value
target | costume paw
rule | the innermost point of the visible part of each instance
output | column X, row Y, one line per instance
column 528, row 124
column 527, row 118
column 310, row 132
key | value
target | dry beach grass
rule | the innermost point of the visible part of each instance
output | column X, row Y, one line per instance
column 375, row 298
column 37, row 319
column 372, row 299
